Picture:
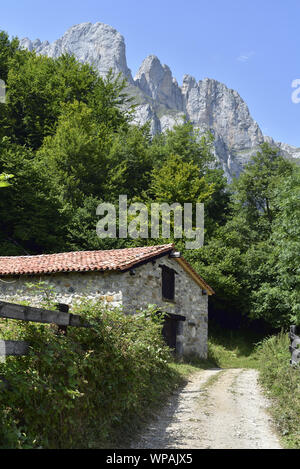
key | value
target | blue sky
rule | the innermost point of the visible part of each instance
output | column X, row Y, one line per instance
column 252, row 46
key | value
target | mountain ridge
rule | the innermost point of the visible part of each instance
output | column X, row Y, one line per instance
column 207, row 103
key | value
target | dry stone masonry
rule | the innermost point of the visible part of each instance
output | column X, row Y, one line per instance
column 132, row 290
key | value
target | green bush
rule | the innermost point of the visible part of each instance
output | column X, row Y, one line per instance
column 81, row 390
column 283, row 385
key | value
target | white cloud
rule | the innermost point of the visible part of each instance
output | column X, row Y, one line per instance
column 246, row 56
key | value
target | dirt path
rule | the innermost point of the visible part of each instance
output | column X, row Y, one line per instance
column 216, row 409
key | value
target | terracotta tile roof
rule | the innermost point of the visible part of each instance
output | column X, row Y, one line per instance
column 80, row 261
column 86, row 261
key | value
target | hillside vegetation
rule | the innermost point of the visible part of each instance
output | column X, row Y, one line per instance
column 67, row 136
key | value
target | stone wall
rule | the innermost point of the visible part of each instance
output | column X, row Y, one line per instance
column 131, row 292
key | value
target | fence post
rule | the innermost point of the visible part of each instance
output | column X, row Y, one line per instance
column 63, row 308
column 295, row 345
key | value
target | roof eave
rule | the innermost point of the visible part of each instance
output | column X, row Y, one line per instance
column 196, row 277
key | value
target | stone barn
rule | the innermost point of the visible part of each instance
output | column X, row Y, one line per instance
column 129, row 278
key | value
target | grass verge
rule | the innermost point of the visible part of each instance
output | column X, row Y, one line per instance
column 233, row 349
column 282, row 384
column 280, row 381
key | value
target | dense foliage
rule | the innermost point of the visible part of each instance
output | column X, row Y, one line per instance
column 246, row 259
column 68, row 137
column 79, row 390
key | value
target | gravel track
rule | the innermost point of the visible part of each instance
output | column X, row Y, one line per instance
column 217, row 409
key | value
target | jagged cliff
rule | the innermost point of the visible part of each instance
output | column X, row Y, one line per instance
column 209, row 104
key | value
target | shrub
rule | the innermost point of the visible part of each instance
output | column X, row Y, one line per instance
column 79, row 390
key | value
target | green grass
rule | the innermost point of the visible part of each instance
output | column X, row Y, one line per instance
column 226, row 349
column 185, row 367
column 233, row 349
column 282, row 384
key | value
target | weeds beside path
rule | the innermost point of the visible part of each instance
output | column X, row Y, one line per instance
column 282, row 383
column 234, row 349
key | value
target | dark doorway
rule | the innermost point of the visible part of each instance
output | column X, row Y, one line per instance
column 170, row 333
column 171, row 329
column 168, row 283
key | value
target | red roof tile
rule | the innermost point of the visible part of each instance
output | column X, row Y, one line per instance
column 85, row 261
column 80, row 261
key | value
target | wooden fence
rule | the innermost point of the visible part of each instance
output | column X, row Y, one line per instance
column 60, row 317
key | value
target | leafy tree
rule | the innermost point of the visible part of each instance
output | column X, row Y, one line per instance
column 179, row 181
column 30, row 219
column 130, row 163
column 218, row 206
column 240, row 259
column 254, row 190
column 38, row 86
column 76, row 155
column 8, row 49
column 110, row 102
column 4, row 179
column 286, row 238
column 81, row 230
column 192, row 147
column 187, row 142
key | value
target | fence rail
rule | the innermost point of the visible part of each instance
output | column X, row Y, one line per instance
column 13, row 348
column 29, row 313
column 61, row 317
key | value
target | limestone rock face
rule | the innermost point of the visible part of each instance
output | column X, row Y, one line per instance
column 156, row 81
column 144, row 113
column 221, row 109
column 208, row 104
column 289, row 151
column 97, row 44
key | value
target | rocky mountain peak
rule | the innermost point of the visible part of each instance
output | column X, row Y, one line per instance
column 188, row 82
column 208, row 104
column 156, row 81
column 98, row 44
